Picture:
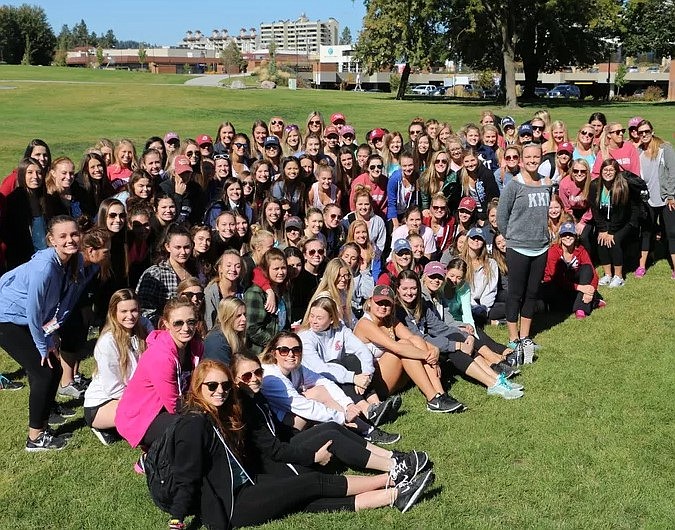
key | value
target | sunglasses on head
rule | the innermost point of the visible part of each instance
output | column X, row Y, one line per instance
column 213, row 386
column 247, row 376
column 291, row 127
column 223, row 156
column 285, row 351
column 115, row 215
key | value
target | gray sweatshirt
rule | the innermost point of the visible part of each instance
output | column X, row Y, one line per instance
column 522, row 215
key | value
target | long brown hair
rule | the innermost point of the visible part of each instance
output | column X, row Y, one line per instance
column 267, row 356
column 226, row 418
column 654, row 145
column 618, row 188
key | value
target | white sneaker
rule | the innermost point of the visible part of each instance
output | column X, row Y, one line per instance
column 502, row 390
column 617, row 281
column 605, row 280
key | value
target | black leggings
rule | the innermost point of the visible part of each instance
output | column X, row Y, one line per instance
column 614, row 254
column 347, row 446
column 353, row 364
column 658, row 217
column 525, row 275
column 43, row 381
column 567, row 300
column 158, row 427
column 272, row 497
column 484, row 339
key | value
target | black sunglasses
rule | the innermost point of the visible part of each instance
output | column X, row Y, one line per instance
column 247, row 376
column 285, row 351
column 213, row 386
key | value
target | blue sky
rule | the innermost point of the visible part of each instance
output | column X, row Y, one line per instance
column 165, row 22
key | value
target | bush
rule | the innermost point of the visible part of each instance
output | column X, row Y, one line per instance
column 394, row 81
column 653, row 93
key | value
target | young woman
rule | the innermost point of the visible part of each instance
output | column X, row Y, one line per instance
column 598, row 121
column 657, row 163
column 209, row 441
column 556, row 216
column 434, row 178
column 160, row 282
column 337, row 280
column 222, row 170
column 558, row 136
column 271, row 219
column 224, row 137
column 613, row 147
column 64, row 196
column 482, row 275
column 164, row 214
column 570, row 280
column 363, row 282
column 290, row 141
column 584, row 147
column 93, row 181
column 441, row 224
column 264, row 324
column 573, row 192
column 124, row 163
column 401, row 259
column 323, row 191
column 393, row 143
column 24, row 220
column 139, row 251
column 314, row 124
column 522, row 216
column 240, row 155
column 112, row 217
column 187, row 194
column 402, row 190
column 615, row 212
column 422, row 153
column 117, row 351
column 497, row 314
column 347, row 171
column 420, row 318
column 281, row 454
column 230, row 201
column 162, row 376
column 331, row 349
column 138, row 189
column 289, row 186
column 413, row 225
column 272, row 153
column 37, row 150
column 363, row 210
column 153, row 166
column 477, row 182
column 376, row 181
column 225, row 284
column 35, row 299
column 509, row 167
column 370, row 257
column 228, row 336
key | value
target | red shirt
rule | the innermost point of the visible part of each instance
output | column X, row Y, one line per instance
column 378, row 193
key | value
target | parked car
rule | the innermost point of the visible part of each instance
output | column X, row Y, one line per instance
column 653, row 70
column 424, row 90
column 440, row 91
column 564, row 91
column 632, row 69
column 540, row 91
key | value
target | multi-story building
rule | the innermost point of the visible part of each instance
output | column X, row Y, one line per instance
column 219, row 39
column 300, row 35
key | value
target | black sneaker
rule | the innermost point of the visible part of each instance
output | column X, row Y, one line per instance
column 63, row 411
column 409, row 492
column 455, row 406
column 56, row 419
column 81, row 382
column 45, row 442
column 380, row 413
column 505, row 368
column 444, row 403
column 396, row 402
column 106, row 436
column 6, row 384
column 379, row 437
column 408, row 466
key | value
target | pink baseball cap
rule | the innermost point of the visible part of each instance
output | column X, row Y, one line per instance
column 181, row 164
column 204, row 139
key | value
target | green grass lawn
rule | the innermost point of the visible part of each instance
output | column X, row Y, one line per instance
column 590, row 445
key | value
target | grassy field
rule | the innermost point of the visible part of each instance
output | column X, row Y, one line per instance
column 590, row 445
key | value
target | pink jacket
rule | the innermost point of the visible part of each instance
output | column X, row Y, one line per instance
column 573, row 202
column 154, row 385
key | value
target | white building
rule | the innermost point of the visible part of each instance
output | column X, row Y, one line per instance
column 301, row 34
column 219, row 39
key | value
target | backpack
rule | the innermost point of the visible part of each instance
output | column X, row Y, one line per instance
column 159, row 469
column 638, row 188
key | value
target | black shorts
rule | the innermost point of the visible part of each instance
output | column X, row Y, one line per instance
column 90, row 412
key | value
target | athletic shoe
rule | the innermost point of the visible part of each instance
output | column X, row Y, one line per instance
column 396, row 402
column 379, row 413
column 56, row 419
column 529, row 347
column 515, row 358
column 605, row 280
column 617, row 281
column 69, row 391
column 498, row 389
column 443, row 403
column 379, row 437
column 503, row 367
column 65, row 435
column 409, row 492
column 580, row 314
column 407, row 466
column 106, row 436
column 139, row 466
column 45, row 442
column 640, row 272
column 601, row 304
column 502, row 379
column 63, row 411
column 6, row 384
column 81, row 382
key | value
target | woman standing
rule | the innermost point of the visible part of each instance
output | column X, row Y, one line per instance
column 93, row 181
column 35, row 299
column 657, row 162
column 574, row 191
column 477, row 182
column 225, row 284
column 64, row 196
column 613, row 147
column 584, row 147
column 522, row 216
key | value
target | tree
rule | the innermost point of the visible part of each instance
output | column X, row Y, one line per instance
column 232, row 58
column 80, row 35
column 650, row 27
column 142, row 56
column 346, row 36
column 25, row 35
column 108, row 40
column 620, row 77
column 407, row 31
column 99, row 55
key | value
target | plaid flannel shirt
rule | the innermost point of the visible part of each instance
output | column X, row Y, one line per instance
column 157, row 284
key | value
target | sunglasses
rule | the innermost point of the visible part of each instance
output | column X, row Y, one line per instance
column 272, row 146
column 374, row 166
column 292, row 127
column 441, row 207
column 511, row 157
column 314, row 122
column 193, row 294
column 213, row 386
column 221, row 157
column 384, row 303
column 191, row 153
column 579, row 171
column 240, row 145
column 313, row 251
column 441, row 161
column 178, row 324
column 247, row 376
column 248, row 183
column 645, row 132
column 333, row 137
column 618, row 131
column 413, row 132
column 335, row 216
column 277, row 122
column 348, row 136
column 587, row 133
column 537, row 127
column 285, row 351
column 114, row 215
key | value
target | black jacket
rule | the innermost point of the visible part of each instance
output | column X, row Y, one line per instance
column 617, row 216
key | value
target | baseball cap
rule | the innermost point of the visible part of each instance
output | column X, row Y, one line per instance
column 204, row 139
column 634, row 122
column 567, row 228
column 293, row 222
column 508, row 121
column 348, row 129
column 271, row 140
column 565, row 147
column 331, row 129
column 377, row 133
column 338, row 116
column 476, row 231
column 181, row 164
column 383, row 292
column 171, row 136
column 467, row 203
column 402, row 244
column 524, row 129
column 434, row 267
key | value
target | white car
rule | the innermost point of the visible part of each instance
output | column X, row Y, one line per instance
column 424, row 90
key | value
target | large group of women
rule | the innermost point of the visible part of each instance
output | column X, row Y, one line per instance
column 266, row 297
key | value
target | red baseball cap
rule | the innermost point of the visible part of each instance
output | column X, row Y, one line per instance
column 181, row 164
column 565, row 147
column 330, row 130
column 377, row 133
column 467, row 203
column 338, row 117
column 204, row 139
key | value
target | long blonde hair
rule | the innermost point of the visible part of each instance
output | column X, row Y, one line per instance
column 343, row 299
column 370, row 251
column 482, row 257
column 655, row 144
column 325, row 301
column 227, row 311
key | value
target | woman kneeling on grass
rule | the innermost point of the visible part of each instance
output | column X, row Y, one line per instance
column 212, row 480
column 282, row 453
column 420, row 318
column 117, row 351
column 301, row 398
column 570, row 280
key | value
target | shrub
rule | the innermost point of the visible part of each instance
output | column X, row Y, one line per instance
column 653, row 93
